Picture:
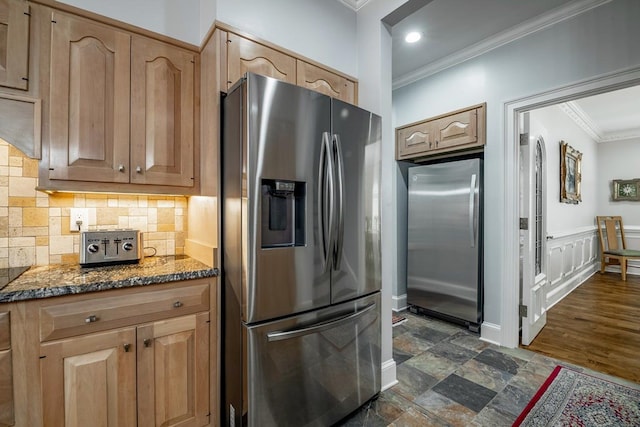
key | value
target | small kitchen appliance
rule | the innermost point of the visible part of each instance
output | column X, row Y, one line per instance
column 105, row 247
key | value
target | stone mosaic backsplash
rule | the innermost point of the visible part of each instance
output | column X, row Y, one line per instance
column 34, row 226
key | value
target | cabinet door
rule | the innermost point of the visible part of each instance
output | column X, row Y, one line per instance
column 90, row 380
column 14, row 43
column 6, row 389
column 414, row 141
column 323, row 81
column 245, row 55
column 162, row 112
column 6, row 372
column 456, row 130
column 173, row 372
column 89, row 101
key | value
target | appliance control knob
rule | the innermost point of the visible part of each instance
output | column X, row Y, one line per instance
column 93, row 248
column 127, row 246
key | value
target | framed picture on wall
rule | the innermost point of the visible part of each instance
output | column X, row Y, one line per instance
column 626, row 189
column 570, row 174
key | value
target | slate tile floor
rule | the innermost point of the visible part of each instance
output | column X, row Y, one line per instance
column 448, row 377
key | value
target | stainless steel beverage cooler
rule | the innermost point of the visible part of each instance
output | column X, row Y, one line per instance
column 301, row 256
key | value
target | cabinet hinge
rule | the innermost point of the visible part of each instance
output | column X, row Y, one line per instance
column 524, row 139
column 523, row 310
column 524, row 223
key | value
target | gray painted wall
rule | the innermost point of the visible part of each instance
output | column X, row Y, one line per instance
column 600, row 41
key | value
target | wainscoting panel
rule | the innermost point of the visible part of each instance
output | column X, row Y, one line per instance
column 571, row 258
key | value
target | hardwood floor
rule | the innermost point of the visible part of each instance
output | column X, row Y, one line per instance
column 596, row 326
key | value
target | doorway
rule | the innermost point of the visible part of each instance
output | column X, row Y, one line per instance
column 511, row 298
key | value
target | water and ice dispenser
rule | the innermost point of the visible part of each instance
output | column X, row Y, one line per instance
column 283, row 213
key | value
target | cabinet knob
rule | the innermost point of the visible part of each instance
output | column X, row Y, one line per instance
column 91, row 319
column 127, row 347
column 121, row 168
column 138, row 169
column 177, row 304
column 147, row 342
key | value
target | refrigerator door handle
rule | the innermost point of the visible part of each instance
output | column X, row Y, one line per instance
column 472, row 211
column 326, row 213
column 339, row 201
column 320, row 327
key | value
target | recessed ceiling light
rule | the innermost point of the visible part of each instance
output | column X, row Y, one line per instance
column 412, row 37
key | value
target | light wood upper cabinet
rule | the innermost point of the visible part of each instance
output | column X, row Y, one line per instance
column 89, row 101
column 246, row 55
column 456, row 131
column 162, row 114
column 14, row 44
column 173, row 363
column 90, row 380
column 323, row 81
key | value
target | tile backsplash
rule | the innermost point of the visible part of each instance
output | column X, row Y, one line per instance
column 34, row 226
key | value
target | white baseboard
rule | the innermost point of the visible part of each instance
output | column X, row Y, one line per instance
column 388, row 378
column 399, row 302
column 490, row 332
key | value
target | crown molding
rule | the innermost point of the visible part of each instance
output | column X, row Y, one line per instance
column 584, row 121
column 521, row 30
column 354, row 4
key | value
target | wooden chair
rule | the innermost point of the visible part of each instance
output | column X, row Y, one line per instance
column 613, row 250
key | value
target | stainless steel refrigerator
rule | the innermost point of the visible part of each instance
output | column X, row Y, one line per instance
column 301, row 256
column 444, row 256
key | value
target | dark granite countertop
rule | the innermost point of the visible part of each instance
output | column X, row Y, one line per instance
column 56, row 280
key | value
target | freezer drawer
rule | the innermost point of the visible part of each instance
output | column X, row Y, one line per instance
column 316, row 368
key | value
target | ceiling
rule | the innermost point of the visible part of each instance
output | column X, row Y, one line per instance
column 457, row 30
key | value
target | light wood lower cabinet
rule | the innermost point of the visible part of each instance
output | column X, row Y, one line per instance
column 173, row 372
column 90, row 380
column 155, row 374
column 6, row 372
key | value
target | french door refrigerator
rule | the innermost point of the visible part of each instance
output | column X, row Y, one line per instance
column 444, row 254
column 301, row 255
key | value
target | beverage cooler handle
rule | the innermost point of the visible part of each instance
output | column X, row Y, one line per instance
column 472, row 211
column 326, row 182
column 320, row 327
column 339, row 201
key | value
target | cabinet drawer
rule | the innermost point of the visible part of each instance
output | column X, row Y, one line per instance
column 414, row 140
column 101, row 313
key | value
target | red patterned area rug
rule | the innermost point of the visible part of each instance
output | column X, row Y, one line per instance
column 571, row 398
column 396, row 319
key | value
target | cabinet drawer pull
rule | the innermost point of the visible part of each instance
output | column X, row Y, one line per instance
column 177, row 304
column 91, row 319
column 147, row 342
column 138, row 169
column 127, row 347
column 121, row 168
